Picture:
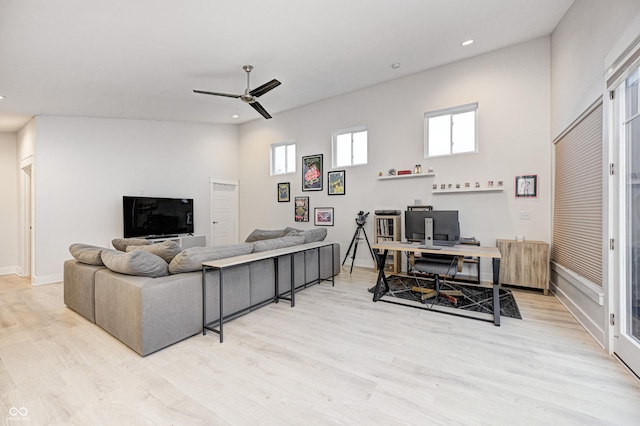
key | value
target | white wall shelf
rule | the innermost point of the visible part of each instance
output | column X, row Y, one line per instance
column 412, row 175
column 466, row 190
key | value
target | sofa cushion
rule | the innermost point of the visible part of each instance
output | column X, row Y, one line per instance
column 266, row 234
column 137, row 262
column 276, row 243
column 122, row 243
column 313, row 235
column 166, row 249
column 85, row 253
column 191, row 259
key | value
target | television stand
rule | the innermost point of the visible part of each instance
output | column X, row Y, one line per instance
column 184, row 241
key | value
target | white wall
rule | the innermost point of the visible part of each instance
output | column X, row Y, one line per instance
column 512, row 88
column 9, row 209
column 579, row 44
column 84, row 167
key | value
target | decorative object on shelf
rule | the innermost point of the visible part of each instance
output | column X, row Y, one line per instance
column 527, row 186
column 392, row 172
column 467, row 184
column 404, row 172
column 284, row 191
column 500, row 183
column 379, row 173
column 323, row 216
column 312, row 173
column 430, row 170
column 336, row 182
column 477, row 184
column 417, row 169
column 443, row 186
column 450, row 186
column 457, row 186
column 434, row 186
column 490, row 183
column 302, row 209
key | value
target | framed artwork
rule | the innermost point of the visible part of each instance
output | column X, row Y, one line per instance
column 301, row 209
column 284, row 189
column 335, row 182
column 323, row 216
column 527, row 186
column 312, row 173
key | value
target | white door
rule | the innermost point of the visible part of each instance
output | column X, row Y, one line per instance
column 627, row 283
column 223, row 211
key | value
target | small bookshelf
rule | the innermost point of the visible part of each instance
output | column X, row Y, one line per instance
column 388, row 228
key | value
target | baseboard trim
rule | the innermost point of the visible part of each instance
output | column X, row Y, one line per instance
column 9, row 270
column 592, row 291
column 46, row 279
column 591, row 327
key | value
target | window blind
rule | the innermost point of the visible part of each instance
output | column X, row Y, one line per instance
column 577, row 210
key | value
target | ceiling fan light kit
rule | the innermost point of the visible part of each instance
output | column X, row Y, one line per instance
column 249, row 96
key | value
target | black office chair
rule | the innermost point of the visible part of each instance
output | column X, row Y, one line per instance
column 436, row 265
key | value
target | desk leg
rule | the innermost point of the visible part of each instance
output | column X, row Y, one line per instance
column 496, row 291
column 382, row 279
column 221, row 312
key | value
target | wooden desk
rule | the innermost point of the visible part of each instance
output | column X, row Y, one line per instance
column 462, row 250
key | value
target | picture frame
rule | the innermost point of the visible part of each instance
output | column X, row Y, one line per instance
column 301, row 209
column 284, row 192
column 526, row 186
column 323, row 216
column 312, row 173
column 336, row 182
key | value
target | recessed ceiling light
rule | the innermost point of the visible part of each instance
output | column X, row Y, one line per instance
column 466, row 43
column 235, row 116
column 395, row 66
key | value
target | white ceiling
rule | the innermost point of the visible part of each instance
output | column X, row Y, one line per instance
column 140, row 59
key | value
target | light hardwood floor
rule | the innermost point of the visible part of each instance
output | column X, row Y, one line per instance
column 336, row 358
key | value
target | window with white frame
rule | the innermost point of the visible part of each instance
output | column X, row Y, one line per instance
column 283, row 158
column 451, row 131
column 350, row 147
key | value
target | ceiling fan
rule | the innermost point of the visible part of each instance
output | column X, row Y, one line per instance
column 249, row 96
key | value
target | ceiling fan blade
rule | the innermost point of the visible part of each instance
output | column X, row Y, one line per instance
column 262, row 111
column 228, row 95
column 259, row 91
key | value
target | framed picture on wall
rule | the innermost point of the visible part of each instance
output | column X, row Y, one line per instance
column 527, row 186
column 335, row 182
column 284, row 189
column 323, row 216
column 301, row 209
column 312, row 173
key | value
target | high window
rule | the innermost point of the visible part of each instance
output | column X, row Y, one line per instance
column 451, row 131
column 283, row 158
column 350, row 147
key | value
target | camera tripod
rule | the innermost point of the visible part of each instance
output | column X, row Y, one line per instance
column 355, row 239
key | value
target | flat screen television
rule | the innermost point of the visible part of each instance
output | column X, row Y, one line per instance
column 156, row 217
column 446, row 228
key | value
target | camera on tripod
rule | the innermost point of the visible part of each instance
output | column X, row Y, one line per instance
column 361, row 219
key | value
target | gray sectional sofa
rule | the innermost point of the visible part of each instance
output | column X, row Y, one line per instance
column 149, row 296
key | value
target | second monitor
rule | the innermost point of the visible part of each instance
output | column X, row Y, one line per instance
column 445, row 231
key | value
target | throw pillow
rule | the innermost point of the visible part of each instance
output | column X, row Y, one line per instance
column 166, row 249
column 85, row 253
column 191, row 259
column 276, row 243
column 122, row 243
column 314, row 235
column 264, row 234
column 137, row 262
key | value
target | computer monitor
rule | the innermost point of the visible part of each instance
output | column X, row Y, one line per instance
column 446, row 228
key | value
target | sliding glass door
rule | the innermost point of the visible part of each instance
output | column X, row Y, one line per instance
column 627, row 311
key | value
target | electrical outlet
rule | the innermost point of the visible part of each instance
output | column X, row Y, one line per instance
column 525, row 216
